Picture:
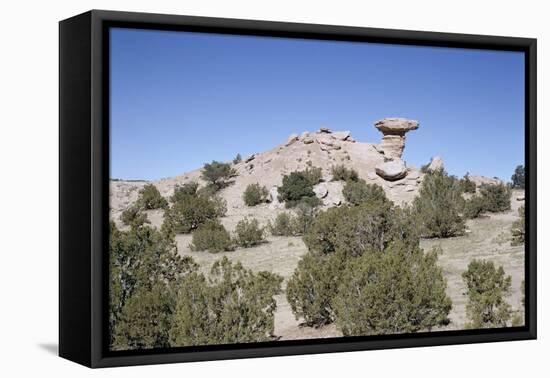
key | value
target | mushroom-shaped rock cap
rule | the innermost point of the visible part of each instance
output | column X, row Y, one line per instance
column 396, row 126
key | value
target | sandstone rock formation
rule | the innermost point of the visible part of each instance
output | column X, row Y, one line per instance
column 436, row 164
column 392, row 170
column 394, row 130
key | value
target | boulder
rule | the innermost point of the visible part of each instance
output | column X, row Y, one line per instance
column 250, row 158
column 273, row 199
column 325, row 130
column 436, row 164
column 396, row 126
column 321, row 190
column 409, row 188
column 392, row 170
column 307, row 140
column 334, row 195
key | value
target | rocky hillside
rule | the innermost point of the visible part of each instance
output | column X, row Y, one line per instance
column 379, row 163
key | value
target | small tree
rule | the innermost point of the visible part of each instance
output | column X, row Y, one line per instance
column 304, row 218
column 282, row 225
column 191, row 211
column 181, row 192
column 143, row 265
column 314, row 175
column 341, row 173
column 313, row 286
column 218, row 174
column 357, row 192
column 234, row 306
column 439, row 204
column 249, row 233
column 497, row 197
column 145, row 319
column 401, row 290
column 298, row 187
column 255, row 194
column 237, row 159
column 351, row 230
column 474, row 207
column 134, row 216
column 322, row 236
column 468, row 186
column 518, row 228
column 150, row 198
column 211, row 236
column 487, row 288
column 518, row 178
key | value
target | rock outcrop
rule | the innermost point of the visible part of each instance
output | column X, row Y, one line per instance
column 394, row 130
column 436, row 164
column 326, row 138
column 392, row 170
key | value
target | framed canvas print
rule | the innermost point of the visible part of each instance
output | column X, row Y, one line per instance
column 234, row 188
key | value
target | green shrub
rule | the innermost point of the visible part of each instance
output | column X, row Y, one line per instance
column 255, row 194
column 145, row 320
column 181, row 192
column 191, row 211
column 282, row 225
column 322, row 236
column 249, row 233
column 287, row 224
column 211, row 236
column 351, row 229
column 474, row 207
column 143, row 262
column 487, row 288
column 468, row 186
column 150, row 198
column 312, row 287
column 406, row 227
column 237, row 159
column 336, row 237
column 439, row 204
column 518, row 178
column 218, row 174
column 496, row 197
column 234, row 306
column 341, row 173
column 314, row 175
column 518, row 228
column 134, row 216
column 357, row 192
column 305, row 215
column 298, row 187
column 401, row 290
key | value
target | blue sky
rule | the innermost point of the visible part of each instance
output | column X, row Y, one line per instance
column 181, row 99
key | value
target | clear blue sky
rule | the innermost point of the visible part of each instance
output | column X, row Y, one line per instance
column 181, row 99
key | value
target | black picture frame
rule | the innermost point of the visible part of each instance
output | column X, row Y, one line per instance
column 84, row 186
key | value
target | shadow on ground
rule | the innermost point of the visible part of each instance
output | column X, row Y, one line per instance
column 51, row 348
